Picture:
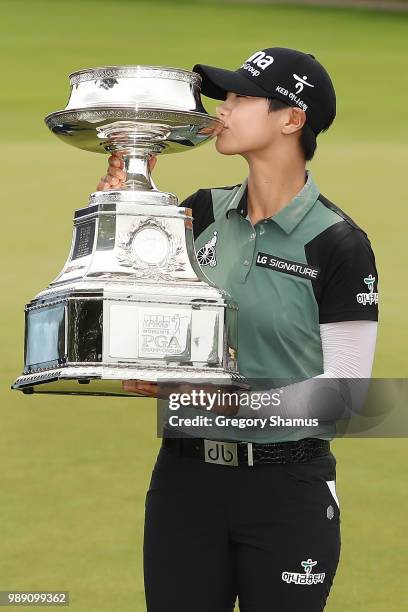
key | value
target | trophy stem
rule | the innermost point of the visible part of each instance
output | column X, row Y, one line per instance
column 137, row 170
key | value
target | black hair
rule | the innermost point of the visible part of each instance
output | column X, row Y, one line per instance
column 307, row 140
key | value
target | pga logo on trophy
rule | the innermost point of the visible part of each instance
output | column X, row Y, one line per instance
column 131, row 301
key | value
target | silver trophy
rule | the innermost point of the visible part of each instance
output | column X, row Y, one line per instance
column 131, row 301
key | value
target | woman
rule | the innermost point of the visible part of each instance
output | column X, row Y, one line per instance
column 253, row 513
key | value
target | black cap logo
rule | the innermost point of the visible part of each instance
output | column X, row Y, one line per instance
column 301, row 82
column 260, row 59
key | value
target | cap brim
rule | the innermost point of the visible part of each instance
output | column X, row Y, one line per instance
column 216, row 82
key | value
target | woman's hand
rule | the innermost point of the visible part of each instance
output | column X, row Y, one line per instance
column 116, row 176
column 140, row 386
column 152, row 389
column 163, row 391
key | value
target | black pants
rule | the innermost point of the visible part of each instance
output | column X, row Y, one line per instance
column 215, row 532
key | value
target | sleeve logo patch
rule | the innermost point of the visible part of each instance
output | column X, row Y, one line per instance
column 371, row 297
column 288, row 267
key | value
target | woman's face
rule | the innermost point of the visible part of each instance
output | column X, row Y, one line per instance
column 249, row 127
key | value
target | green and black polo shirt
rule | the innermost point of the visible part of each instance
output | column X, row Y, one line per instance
column 306, row 265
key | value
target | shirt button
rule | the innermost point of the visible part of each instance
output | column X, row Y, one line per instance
column 252, row 236
column 246, row 262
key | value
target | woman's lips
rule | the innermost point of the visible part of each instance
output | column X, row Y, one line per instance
column 221, row 130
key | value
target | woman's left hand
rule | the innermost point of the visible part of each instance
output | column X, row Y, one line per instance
column 152, row 389
column 140, row 386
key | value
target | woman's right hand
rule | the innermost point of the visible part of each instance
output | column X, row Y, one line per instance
column 116, row 175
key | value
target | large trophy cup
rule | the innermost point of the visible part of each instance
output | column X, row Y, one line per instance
column 131, row 301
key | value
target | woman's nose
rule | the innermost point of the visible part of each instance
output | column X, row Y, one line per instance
column 221, row 111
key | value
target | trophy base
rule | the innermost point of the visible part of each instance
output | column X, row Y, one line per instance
column 131, row 303
column 99, row 379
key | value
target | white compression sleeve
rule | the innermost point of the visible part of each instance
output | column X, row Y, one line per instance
column 348, row 349
column 348, row 353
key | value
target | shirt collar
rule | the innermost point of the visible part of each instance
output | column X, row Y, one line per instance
column 291, row 214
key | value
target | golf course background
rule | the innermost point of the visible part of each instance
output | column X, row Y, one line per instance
column 74, row 471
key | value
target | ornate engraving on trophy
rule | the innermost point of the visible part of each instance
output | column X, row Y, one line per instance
column 150, row 249
column 150, row 246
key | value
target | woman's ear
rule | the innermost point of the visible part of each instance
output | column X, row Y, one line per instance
column 294, row 120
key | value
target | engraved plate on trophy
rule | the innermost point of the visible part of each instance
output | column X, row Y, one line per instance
column 164, row 333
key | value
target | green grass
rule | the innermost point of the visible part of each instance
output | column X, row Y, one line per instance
column 75, row 470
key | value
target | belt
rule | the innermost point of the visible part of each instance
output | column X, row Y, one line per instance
column 246, row 453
